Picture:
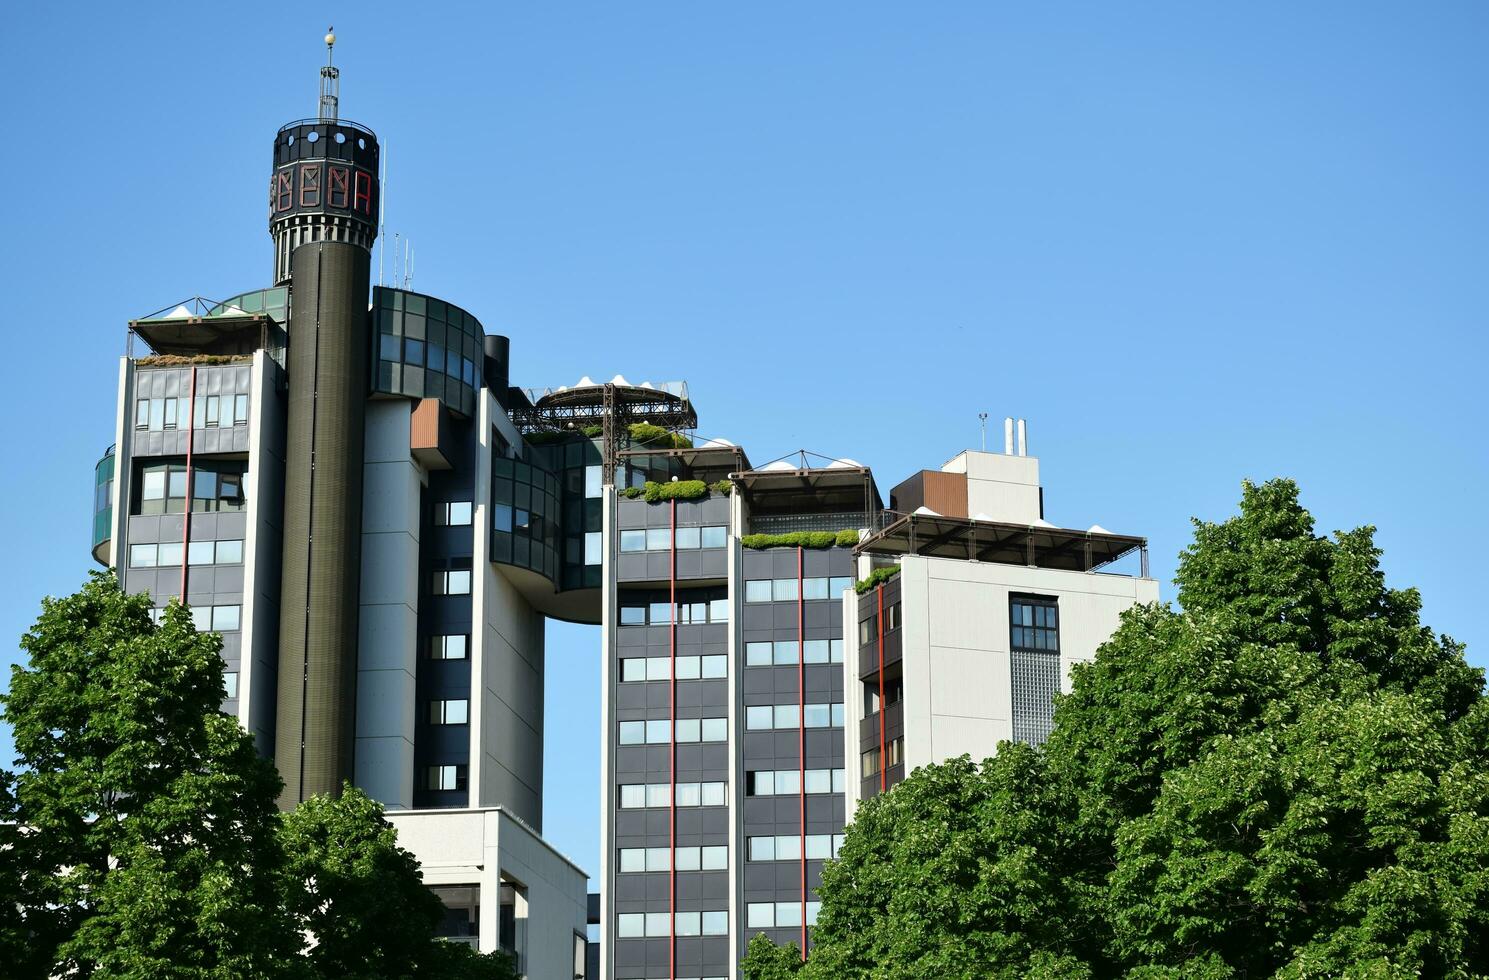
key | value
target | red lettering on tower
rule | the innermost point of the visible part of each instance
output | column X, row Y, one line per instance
column 364, row 192
column 310, row 185
column 339, row 195
column 285, row 191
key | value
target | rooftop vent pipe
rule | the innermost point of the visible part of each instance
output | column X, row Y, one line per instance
column 1008, row 437
column 1023, row 438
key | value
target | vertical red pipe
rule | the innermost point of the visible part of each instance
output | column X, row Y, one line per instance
column 883, row 759
column 801, row 737
column 672, row 737
column 186, row 512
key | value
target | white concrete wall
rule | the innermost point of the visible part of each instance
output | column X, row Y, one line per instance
column 1003, row 488
column 263, row 547
column 956, row 645
column 388, row 646
column 507, row 641
column 484, row 847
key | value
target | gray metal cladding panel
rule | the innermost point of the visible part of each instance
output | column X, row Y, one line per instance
column 689, row 565
column 629, row 638
column 632, row 567
column 757, row 618
column 758, row 564
column 631, row 696
column 328, row 378
column 715, row 563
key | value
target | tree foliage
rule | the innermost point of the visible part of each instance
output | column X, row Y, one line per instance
column 140, row 837
column 1288, row 778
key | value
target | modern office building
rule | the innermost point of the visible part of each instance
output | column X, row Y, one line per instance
column 312, row 467
column 339, row 477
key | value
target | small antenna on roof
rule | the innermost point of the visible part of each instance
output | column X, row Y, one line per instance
column 982, row 418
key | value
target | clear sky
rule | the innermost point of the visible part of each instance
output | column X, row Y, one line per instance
column 1190, row 243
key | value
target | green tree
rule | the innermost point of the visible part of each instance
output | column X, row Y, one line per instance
column 149, row 843
column 141, row 839
column 1288, row 778
column 361, row 898
column 765, row 960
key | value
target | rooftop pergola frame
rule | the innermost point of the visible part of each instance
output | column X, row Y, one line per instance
column 614, row 407
column 791, row 485
column 708, row 460
column 1035, row 546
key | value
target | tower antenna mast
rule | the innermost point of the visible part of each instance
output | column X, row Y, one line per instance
column 330, row 80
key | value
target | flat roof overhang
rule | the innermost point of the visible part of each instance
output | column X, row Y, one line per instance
column 1038, row 546
column 824, row 488
column 186, row 336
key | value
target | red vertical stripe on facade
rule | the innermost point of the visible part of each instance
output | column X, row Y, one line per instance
column 883, row 760
column 186, row 510
column 672, row 739
column 801, row 736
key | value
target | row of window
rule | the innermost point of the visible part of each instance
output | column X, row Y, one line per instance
column 785, row 590
column 868, row 629
column 765, row 653
column 688, row 858
column 688, row 538
column 453, row 513
column 710, row 667
column 661, row 925
column 212, row 411
column 780, row 915
column 660, row 732
column 787, row 847
column 427, row 355
column 894, row 749
column 168, row 554
column 766, row 717
column 639, row 796
column 686, row 613
column 787, row 782
column 445, row 777
column 162, row 488
column 217, row 619
column 453, row 711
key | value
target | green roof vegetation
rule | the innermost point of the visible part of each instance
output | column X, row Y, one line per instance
column 845, row 538
column 875, row 577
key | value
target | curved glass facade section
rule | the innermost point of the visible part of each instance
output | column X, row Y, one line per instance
column 525, row 514
column 103, row 506
column 576, row 462
column 274, row 303
column 425, row 348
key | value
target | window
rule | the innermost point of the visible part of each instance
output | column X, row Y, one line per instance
column 658, row 538
column 757, row 590
column 214, row 410
column 633, row 541
column 445, row 777
column 660, row 925
column 142, row 414
column 1034, row 639
column 142, row 555
column 201, row 552
column 635, row 796
column 225, row 618
column 448, row 647
column 638, row 859
column 452, row 582
column 783, row 590
column 450, row 712
column 894, row 750
column 592, row 482
column 787, row 847
column 767, row 915
column 633, row 615
column 229, row 552
column 894, row 690
column 230, row 681
column 814, row 588
column 240, row 409
column 715, row 536
column 788, row 782
column 455, row 513
column 757, row 654
column 687, row 538
column 593, row 542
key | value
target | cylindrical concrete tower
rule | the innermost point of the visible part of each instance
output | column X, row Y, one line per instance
column 323, row 217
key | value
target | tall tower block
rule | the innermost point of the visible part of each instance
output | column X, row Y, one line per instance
column 323, row 209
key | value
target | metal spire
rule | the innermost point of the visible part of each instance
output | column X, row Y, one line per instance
column 330, row 80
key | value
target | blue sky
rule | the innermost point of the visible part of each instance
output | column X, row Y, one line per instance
column 1191, row 243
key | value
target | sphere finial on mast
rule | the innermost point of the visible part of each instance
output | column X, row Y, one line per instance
column 330, row 80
